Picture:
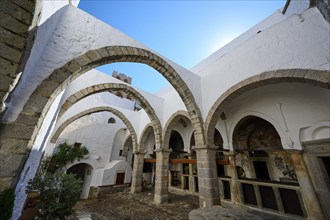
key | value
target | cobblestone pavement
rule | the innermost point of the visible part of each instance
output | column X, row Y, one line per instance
column 121, row 204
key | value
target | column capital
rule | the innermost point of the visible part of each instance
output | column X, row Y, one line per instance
column 205, row 147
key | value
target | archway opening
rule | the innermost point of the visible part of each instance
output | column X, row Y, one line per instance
column 82, row 171
column 261, row 159
column 127, row 151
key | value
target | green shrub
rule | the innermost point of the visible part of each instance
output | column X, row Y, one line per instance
column 7, row 198
column 58, row 191
column 66, row 153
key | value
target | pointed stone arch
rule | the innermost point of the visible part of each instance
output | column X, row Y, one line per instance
column 120, row 115
column 312, row 77
column 155, row 122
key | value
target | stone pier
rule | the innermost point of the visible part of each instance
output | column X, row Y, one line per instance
column 161, row 183
column 207, row 176
column 309, row 197
column 136, row 185
column 235, row 195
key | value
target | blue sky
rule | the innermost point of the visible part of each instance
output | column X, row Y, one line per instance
column 183, row 31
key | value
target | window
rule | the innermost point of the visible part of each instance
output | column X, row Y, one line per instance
column 77, row 145
column 120, row 152
column 112, row 120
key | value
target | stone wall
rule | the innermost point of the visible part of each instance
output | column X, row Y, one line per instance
column 16, row 36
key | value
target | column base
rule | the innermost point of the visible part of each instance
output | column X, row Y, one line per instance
column 136, row 189
column 160, row 199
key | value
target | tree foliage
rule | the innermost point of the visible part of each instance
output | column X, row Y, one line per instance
column 58, row 191
column 66, row 153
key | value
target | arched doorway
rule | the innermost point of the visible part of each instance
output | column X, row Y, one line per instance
column 84, row 172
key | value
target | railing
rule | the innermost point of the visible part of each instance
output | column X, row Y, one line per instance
column 282, row 197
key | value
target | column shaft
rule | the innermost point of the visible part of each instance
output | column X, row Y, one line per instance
column 136, row 185
column 234, row 187
column 312, row 204
column 161, row 183
column 207, row 176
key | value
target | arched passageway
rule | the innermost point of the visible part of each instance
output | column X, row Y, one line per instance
column 84, row 172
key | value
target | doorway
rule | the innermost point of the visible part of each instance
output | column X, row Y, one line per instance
column 261, row 170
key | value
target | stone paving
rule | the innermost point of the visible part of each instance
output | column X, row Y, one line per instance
column 119, row 203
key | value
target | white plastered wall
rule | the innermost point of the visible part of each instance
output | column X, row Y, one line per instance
column 287, row 106
column 114, row 167
column 61, row 39
column 94, row 77
column 300, row 41
column 98, row 100
column 32, row 163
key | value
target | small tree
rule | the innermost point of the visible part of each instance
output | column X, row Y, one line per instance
column 58, row 191
column 66, row 153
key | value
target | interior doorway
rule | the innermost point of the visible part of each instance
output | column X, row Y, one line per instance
column 82, row 171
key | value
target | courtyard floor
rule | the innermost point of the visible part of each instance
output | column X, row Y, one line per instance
column 119, row 203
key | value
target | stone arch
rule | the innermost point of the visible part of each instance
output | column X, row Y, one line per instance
column 31, row 117
column 118, row 87
column 171, row 124
column 313, row 77
column 144, row 136
column 95, row 110
column 262, row 116
column 255, row 133
column 17, row 32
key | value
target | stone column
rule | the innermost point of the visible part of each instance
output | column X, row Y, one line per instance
column 161, row 183
column 136, row 185
column 309, row 197
column 234, row 187
column 207, row 176
column 191, row 176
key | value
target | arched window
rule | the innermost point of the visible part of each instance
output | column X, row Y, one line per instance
column 112, row 120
